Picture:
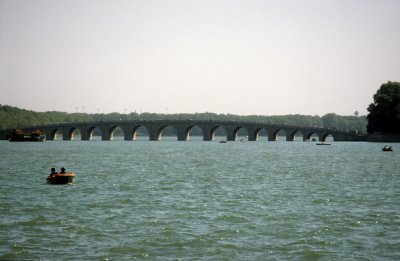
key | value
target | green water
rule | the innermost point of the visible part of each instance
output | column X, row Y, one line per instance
column 200, row 200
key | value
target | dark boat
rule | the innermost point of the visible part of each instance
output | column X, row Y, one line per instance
column 386, row 148
column 61, row 178
column 25, row 135
column 323, row 143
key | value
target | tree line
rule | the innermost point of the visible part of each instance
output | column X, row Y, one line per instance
column 384, row 112
column 14, row 117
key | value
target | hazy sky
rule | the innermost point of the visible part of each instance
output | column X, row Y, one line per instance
column 239, row 57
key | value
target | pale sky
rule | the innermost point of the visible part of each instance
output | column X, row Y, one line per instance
column 235, row 56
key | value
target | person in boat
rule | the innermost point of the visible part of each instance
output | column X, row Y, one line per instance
column 53, row 172
column 62, row 170
column 387, row 148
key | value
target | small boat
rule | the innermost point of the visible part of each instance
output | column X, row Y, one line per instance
column 386, row 148
column 61, row 178
column 222, row 141
column 323, row 143
column 25, row 135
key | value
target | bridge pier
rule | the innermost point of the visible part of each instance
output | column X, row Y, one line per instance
column 128, row 135
column 85, row 133
column 49, row 136
column 182, row 134
column 154, row 137
column 271, row 136
column 252, row 133
column 290, row 133
column 231, row 133
column 154, row 134
column 105, row 132
column 66, row 135
column 50, row 133
column 208, row 133
column 230, row 136
column 207, row 136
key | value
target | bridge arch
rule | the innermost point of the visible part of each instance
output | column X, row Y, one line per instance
column 239, row 131
column 113, row 129
column 87, row 132
column 327, row 137
column 188, row 129
column 132, row 133
column 275, row 134
column 310, row 136
column 217, row 129
column 255, row 134
column 158, row 133
column 295, row 133
column 54, row 133
column 71, row 133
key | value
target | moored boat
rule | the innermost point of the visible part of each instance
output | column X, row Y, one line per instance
column 61, row 178
column 25, row 135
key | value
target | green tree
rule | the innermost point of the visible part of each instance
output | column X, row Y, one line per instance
column 384, row 113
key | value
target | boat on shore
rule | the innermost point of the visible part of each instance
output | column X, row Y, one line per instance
column 25, row 135
column 61, row 178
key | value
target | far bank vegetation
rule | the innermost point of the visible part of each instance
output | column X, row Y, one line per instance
column 13, row 117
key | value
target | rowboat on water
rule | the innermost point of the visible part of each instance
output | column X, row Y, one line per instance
column 61, row 178
column 386, row 148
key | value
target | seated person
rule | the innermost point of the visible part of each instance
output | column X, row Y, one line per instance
column 53, row 172
column 62, row 170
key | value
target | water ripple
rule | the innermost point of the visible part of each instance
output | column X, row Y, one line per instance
column 200, row 201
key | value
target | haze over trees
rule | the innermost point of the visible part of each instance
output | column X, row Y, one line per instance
column 384, row 112
column 13, row 117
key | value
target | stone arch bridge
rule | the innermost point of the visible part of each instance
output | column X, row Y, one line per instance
column 183, row 127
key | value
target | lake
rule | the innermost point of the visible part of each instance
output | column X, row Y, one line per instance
column 197, row 200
